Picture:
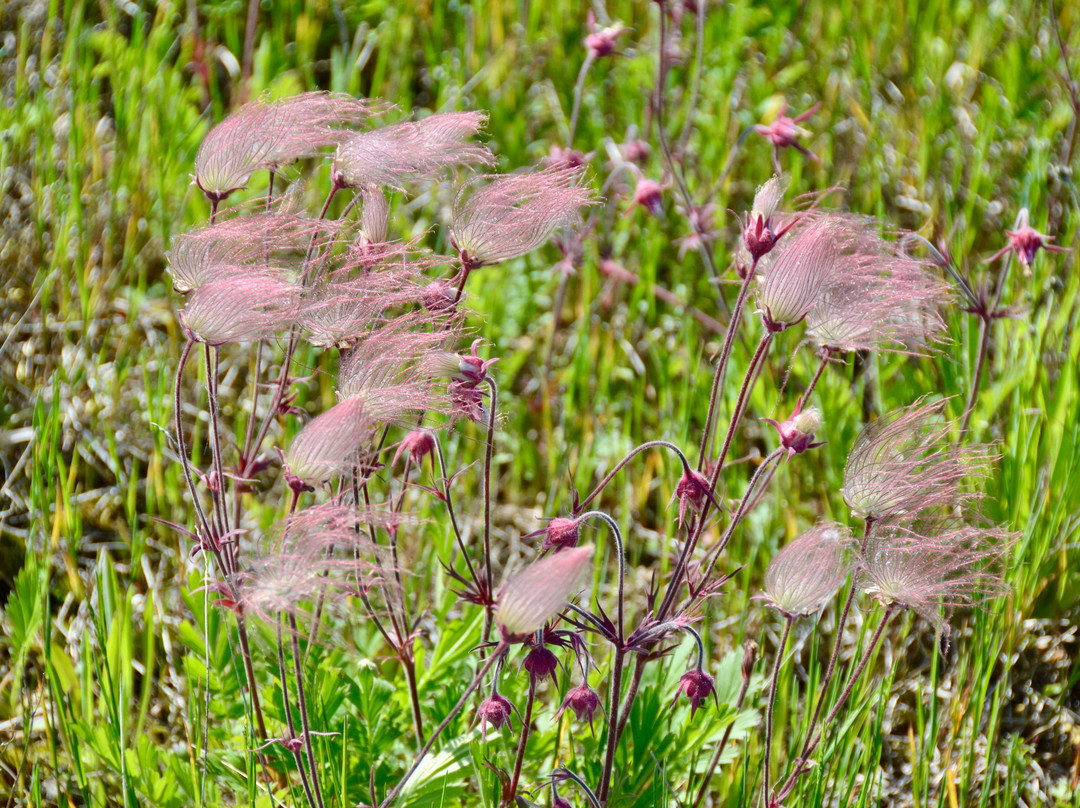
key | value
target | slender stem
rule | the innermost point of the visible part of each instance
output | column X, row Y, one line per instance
column 414, row 695
column 526, row 724
column 249, row 432
column 826, row 355
column 488, row 452
column 699, row 59
column 218, row 472
column 711, row 770
column 461, row 286
column 450, row 510
column 631, row 694
column 499, row 650
column 743, row 509
column 579, row 89
column 622, row 561
column 613, row 725
column 772, row 705
column 560, row 298
column 622, row 464
column 800, row 764
column 840, row 624
column 976, row 377
column 288, row 716
column 308, row 744
column 721, row 366
column 181, row 446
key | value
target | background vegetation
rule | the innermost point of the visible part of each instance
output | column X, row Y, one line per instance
column 944, row 117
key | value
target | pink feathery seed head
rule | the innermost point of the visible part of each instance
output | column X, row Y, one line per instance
column 560, row 533
column 418, row 444
column 438, row 296
column 374, row 215
column 266, row 135
column 1025, row 241
column 806, row 573
column 697, row 686
column 540, row 663
column 931, row 567
column 330, row 443
column 785, row 131
column 796, row 279
column 500, row 217
column 879, row 299
column 495, row 712
column 905, row 463
column 240, row 308
column 583, row 701
column 540, row 591
column 601, row 41
column 402, row 152
column 797, row 432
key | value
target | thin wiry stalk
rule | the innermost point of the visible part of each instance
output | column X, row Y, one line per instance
column 300, row 697
column 579, row 89
column 523, row 739
column 976, row 376
column 699, row 61
column 396, row 790
column 826, row 355
column 622, row 464
column 772, row 704
column 800, row 764
column 288, row 715
column 831, row 669
column 488, row 452
column 721, row 367
column 613, row 725
column 450, row 510
column 181, row 448
column 711, row 770
column 216, row 490
column 556, row 311
column 622, row 562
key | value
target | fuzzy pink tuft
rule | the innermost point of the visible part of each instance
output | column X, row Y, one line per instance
column 806, row 573
column 540, row 591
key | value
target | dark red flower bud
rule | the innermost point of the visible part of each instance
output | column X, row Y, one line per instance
column 540, row 662
column 584, row 701
column 797, row 432
column 494, row 711
column 559, row 534
column 698, row 686
column 419, row 443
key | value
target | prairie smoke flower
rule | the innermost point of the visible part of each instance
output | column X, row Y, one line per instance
column 494, row 712
column 785, row 132
column 601, row 42
column 419, row 444
column 932, row 566
column 797, row 432
column 240, row 308
column 540, row 591
column 649, row 194
column 566, row 157
column 560, row 533
column 540, row 663
column 402, row 152
column 702, row 229
column 270, row 134
column 806, row 573
column 793, row 283
column 584, row 701
column 697, row 686
column 904, row 463
column 879, row 300
column 1025, row 241
column 692, row 490
column 374, row 216
column 500, row 217
column 760, row 231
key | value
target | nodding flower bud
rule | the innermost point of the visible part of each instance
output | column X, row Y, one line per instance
column 649, row 194
column 494, row 711
column 559, row 802
column 698, row 686
column 471, row 367
column 601, row 41
column 692, row 491
column 540, row 662
column 797, row 432
column 559, row 534
column 419, row 443
column 584, row 701
column 750, row 650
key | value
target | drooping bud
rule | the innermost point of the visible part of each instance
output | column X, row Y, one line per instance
column 750, row 649
column 540, row 663
column 649, row 194
column 419, row 444
column 697, row 686
column 494, row 712
column 797, row 432
column 559, row 534
column 584, row 701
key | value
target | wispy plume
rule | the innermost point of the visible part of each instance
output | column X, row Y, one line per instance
column 240, row 308
column 540, row 591
column 806, row 573
column 393, row 155
column 270, row 134
column 506, row 216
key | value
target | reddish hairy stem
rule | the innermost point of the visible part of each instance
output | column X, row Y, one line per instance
column 826, row 355
column 499, row 650
column 789, row 784
column 308, row 745
column 288, row 716
column 711, row 770
column 579, row 89
column 614, row 727
column 488, row 451
column 772, row 705
column 526, row 723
